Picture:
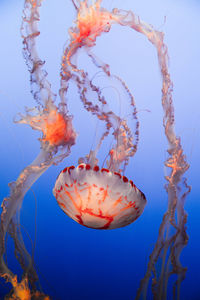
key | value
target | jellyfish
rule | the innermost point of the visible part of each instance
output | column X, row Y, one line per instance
column 57, row 137
column 101, row 198
column 72, row 187
column 98, row 198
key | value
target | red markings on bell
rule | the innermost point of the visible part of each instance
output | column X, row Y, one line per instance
column 68, row 186
column 96, row 168
column 70, row 168
column 81, row 184
column 61, row 204
column 81, row 167
column 119, row 200
column 100, row 215
column 118, row 174
column 104, row 170
column 97, row 202
column 125, row 179
column 65, row 170
column 59, row 190
column 88, row 211
column 79, row 219
column 106, row 226
column 133, row 185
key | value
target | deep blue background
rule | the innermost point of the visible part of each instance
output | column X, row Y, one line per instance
column 76, row 262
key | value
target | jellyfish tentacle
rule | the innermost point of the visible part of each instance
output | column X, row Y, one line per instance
column 176, row 161
column 92, row 21
column 76, row 3
column 18, row 189
column 57, row 138
column 121, row 132
column 132, row 144
column 41, row 88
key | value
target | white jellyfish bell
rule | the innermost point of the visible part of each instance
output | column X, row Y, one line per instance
column 98, row 198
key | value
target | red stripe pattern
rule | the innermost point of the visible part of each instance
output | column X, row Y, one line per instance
column 98, row 198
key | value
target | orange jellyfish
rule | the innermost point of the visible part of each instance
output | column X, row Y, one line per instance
column 58, row 135
column 93, row 20
column 101, row 198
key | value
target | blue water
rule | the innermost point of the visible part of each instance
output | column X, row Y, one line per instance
column 74, row 262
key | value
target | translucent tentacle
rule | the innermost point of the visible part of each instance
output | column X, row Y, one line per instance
column 57, row 138
column 40, row 87
column 92, row 21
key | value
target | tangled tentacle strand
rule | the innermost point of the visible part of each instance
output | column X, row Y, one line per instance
column 57, row 138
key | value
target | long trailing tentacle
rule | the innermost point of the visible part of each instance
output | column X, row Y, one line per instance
column 91, row 22
column 58, row 135
column 40, row 86
column 175, row 216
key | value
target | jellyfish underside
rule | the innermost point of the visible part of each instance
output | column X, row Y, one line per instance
column 98, row 198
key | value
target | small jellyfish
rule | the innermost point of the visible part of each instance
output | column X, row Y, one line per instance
column 58, row 136
column 21, row 290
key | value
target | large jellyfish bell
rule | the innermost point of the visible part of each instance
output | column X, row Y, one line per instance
column 98, row 198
